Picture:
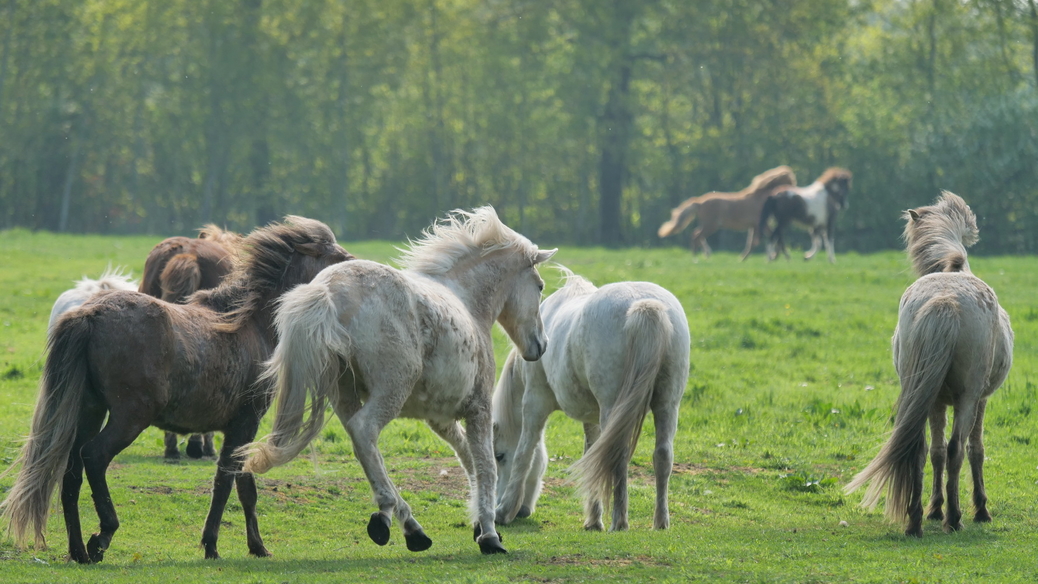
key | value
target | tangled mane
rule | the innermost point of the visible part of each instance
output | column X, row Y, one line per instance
column 572, row 282
column 937, row 236
column 265, row 257
column 835, row 173
column 460, row 235
column 769, row 179
column 228, row 239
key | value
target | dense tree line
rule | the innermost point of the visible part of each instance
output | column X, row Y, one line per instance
column 582, row 121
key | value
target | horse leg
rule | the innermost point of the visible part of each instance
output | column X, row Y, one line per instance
column 816, row 242
column 454, row 434
column 208, row 447
column 976, row 457
column 240, row 431
column 200, row 445
column 938, row 457
column 829, row 241
column 534, row 481
column 531, row 438
column 90, row 420
column 750, row 240
column 593, row 505
column 119, row 432
column 698, row 240
column 172, row 451
column 479, row 430
column 665, row 416
column 962, row 425
column 915, row 501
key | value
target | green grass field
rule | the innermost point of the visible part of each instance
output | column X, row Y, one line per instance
column 790, row 394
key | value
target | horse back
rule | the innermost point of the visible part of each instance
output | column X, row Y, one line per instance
column 214, row 261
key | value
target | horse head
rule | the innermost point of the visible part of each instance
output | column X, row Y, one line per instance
column 837, row 182
column 521, row 315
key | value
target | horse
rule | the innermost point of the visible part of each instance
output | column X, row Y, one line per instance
column 813, row 207
column 416, row 343
column 111, row 279
column 953, row 346
column 176, row 268
column 737, row 211
column 142, row 361
column 617, row 352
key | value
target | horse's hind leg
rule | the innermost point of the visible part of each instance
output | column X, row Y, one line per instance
column 200, row 445
column 816, row 242
column 962, row 425
column 454, row 434
column 228, row 472
column 120, row 431
column 90, row 420
column 750, row 240
column 665, row 416
column 172, row 452
column 976, row 457
column 593, row 505
column 938, row 458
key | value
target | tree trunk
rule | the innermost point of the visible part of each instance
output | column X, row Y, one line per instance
column 615, row 135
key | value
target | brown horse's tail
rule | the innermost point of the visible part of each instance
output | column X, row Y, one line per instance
column 922, row 364
column 180, row 278
column 647, row 332
column 680, row 217
column 305, row 364
column 55, row 423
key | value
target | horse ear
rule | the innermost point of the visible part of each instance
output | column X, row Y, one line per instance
column 310, row 249
column 913, row 214
column 544, row 255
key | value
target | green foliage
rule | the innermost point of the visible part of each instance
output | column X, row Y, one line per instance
column 766, row 437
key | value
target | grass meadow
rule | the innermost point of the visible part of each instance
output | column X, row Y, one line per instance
column 790, row 394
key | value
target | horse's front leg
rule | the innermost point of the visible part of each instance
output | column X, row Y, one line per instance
column 479, row 429
column 938, row 458
column 976, row 457
column 816, row 242
column 751, row 240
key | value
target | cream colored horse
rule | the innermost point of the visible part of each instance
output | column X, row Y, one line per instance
column 111, row 279
column 617, row 352
column 953, row 346
column 736, row 211
column 415, row 343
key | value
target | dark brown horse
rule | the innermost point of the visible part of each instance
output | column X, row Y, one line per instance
column 178, row 267
column 141, row 361
column 813, row 207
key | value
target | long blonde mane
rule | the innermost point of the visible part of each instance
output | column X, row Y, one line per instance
column 460, row 235
column 937, row 236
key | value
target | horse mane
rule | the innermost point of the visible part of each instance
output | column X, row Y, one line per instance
column 769, row 179
column 937, row 235
column 111, row 279
column 572, row 282
column 458, row 236
column 834, row 173
column 214, row 233
column 265, row 255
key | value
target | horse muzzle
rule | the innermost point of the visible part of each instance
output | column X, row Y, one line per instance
column 535, row 349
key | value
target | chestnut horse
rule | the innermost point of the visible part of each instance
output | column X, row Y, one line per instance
column 813, row 207
column 140, row 361
column 176, row 268
column 953, row 346
column 737, row 211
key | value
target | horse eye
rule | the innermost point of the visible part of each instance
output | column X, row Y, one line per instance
column 500, row 457
column 541, row 286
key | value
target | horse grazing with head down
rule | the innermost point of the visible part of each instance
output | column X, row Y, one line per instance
column 953, row 346
column 737, row 211
column 616, row 353
column 417, row 344
column 111, row 279
column 178, row 267
column 813, row 207
column 140, row 361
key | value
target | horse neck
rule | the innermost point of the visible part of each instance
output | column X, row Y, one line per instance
column 483, row 286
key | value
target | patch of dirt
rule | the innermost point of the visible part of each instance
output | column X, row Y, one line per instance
column 582, row 560
column 160, row 489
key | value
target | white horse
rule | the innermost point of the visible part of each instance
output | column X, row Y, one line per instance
column 953, row 346
column 417, row 344
column 111, row 279
column 616, row 353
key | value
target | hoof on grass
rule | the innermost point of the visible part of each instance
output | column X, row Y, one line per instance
column 378, row 528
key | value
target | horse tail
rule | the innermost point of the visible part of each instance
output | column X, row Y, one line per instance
column 922, row 365
column 679, row 219
column 180, row 278
column 55, row 423
column 305, row 364
column 647, row 333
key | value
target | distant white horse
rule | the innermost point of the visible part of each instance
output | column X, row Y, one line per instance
column 953, row 346
column 617, row 352
column 111, row 279
column 417, row 344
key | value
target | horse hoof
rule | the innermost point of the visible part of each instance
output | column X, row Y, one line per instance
column 260, row 552
column 171, row 455
column 194, row 448
column 936, row 515
column 593, row 527
column 378, row 528
column 79, row 555
column 524, row 512
column 950, row 526
column 94, row 549
column 914, row 532
column 492, row 545
column 211, row 554
column 417, row 541
column 982, row 516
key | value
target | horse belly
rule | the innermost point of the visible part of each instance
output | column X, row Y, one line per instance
column 444, row 389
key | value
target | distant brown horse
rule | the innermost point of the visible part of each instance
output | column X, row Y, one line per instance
column 813, row 207
column 736, row 211
column 144, row 362
column 953, row 346
column 178, row 267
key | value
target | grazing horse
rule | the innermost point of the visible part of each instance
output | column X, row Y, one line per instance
column 953, row 346
column 416, row 343
column 737, row 211
column 176, row 268
column 813, row 207
column 111, row 279
column 140, row 361
column 616, row 353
